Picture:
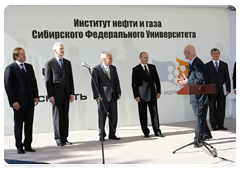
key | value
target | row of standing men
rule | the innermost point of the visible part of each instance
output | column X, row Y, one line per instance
column 22, row 91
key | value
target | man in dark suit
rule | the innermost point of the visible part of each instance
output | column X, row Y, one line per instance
column 106, row 78
column 234, row 78
column 146, row 89
column 60, row 90
column 22, row 91
column 218, row 74
column 196, row 78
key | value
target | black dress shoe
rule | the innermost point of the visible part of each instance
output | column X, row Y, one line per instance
column 197, row 145
column 215, row 128
column 67, row 143
column 101, row 139
column 114, row 137
column 207, row 138
column 20, row 151
column 222, row 128
column 159, row 134
column 59, row 142
column 29, row 149
column 146, row 136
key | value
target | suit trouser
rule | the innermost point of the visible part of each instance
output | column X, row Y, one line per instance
column 142, row 109
column 61, row 119
column 204, row 130
column 23, row 115
column 217, row 110
column 111, row 108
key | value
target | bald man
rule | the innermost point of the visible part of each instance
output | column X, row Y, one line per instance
column 196, row 79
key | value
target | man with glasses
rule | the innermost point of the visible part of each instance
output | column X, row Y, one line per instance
column 195, row 79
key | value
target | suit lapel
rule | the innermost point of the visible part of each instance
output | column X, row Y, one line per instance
column 194, row 61
column 28, row 70
column 64, row 67
column 220, row 65
column 150, row 71
column 55, row 62
column 111, row 72
column 192, row 67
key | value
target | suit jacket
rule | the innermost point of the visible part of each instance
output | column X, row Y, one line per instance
column 139, row 78
column 219, row 78
column 59, row 81
column 20, row 87
column 196, row 79
column 234, row 76
column 104, row 84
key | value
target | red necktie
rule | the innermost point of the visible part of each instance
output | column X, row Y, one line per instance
column 146, row 70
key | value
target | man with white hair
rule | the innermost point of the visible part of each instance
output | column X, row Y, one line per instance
column 106, row 78
column 60, row 90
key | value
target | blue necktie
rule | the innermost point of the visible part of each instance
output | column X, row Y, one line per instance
column 216, row 67
column 23, row 70
column 60, row 63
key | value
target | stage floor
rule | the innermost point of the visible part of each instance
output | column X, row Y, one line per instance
column 133, row 148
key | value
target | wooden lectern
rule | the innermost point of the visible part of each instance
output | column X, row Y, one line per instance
column 196, row 90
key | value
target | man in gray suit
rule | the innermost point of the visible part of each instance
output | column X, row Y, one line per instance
column 60, row 90
column 106, row 78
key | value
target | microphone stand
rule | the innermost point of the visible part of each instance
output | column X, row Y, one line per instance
column 100, row 101
column 100, row 113
column 199, row 142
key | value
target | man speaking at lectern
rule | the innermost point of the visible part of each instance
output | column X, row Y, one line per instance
column 197, row 75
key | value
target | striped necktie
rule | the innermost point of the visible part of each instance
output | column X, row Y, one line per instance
column 216, row 66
